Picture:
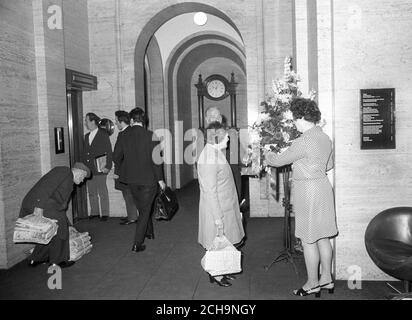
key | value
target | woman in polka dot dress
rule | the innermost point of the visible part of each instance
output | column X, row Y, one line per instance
column 313, row 199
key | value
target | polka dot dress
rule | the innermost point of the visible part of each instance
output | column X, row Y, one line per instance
column 313, row 199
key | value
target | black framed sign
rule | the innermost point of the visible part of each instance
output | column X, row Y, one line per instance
column 59, row 140
column 378, row 118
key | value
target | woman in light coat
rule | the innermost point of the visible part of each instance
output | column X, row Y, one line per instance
column 219, row 212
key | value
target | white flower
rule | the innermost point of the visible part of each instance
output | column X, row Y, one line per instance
column 254, row 137
column 286, row 136
column 312, row 94
column 288, row 115
column 264, row 117
column 286, row 98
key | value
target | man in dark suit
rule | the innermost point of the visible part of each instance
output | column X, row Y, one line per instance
column 122, row 121
column 97, row 144
column 141, row 169
column 50, row 197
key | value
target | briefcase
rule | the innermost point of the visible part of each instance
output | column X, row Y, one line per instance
column 165, row 205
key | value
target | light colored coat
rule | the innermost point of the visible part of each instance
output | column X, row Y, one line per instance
column 218, row 198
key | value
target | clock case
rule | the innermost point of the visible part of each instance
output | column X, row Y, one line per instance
column 231, row 86
column 220, row 78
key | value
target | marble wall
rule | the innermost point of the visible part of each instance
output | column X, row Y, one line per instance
column 20, row 151
column 360, row 45
column 371, row 50
column 33, row 58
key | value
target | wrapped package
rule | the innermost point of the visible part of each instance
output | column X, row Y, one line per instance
column 222, row 258
column 34, row 229
column 80, row 244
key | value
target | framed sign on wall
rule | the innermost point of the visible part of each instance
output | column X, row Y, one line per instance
column 377, row 119
column 59, row 140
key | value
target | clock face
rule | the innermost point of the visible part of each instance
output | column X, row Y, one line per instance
column 216, row 88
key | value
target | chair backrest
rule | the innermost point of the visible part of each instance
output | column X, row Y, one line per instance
column 388, row 240
column 391, row 224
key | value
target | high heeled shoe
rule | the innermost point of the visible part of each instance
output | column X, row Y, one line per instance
column 222, row 282
column 330, row 286
column 302, row 292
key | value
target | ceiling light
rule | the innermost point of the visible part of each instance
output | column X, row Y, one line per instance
column 200, row 18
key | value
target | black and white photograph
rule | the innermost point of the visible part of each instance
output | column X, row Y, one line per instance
column 207, row 156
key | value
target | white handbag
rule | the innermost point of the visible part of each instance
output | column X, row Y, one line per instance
column 223, row 258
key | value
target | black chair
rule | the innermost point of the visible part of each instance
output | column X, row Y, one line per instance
column 388, row 240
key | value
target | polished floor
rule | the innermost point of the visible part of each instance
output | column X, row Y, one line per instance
column 170, row 266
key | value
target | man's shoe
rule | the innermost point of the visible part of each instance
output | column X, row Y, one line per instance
column 150, row 236
column 64, row 264
column 103, row 218
column 33, row 263
column 124, row 219
column 127, row 222
column 93, row 217
column 137, row 248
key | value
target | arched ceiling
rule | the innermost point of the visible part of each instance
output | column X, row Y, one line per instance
column 182, row 26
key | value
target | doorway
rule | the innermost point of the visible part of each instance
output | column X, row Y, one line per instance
column 76, row 83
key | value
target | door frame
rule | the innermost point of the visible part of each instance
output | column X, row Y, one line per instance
column 76, row 83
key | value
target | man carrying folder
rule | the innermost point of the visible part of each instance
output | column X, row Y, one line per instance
column 98, row 157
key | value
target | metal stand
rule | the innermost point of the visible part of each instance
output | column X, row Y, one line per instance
column 407, row 295
column 287, row 253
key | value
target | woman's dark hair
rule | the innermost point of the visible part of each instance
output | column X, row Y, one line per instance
column 122, row 116
column 93, row 117
column 306, row 109
column 215, row 131
column 138, row 115
column 216, row 125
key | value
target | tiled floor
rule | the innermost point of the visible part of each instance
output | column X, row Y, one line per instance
column 170, row 266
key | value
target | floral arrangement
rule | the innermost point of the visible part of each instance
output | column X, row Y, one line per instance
column 274, row 129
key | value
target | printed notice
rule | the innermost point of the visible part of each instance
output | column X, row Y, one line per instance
column 378, row 119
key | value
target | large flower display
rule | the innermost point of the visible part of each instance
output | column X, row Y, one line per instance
column 274, row 129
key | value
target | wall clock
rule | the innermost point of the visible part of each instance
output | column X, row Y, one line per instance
column 216, row 87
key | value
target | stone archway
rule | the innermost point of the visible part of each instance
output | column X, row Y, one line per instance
column 153, row 25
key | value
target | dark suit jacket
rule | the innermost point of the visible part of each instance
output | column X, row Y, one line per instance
column 117, row 184
column 52, row 194
column 133, row 157
column 100, row 145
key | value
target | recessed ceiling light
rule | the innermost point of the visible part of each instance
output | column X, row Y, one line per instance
column 200, row 18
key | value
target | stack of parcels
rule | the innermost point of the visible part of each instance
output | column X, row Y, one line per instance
column 34, row 229
column 80, row 244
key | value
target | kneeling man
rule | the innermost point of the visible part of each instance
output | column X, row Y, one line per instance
column 50, row 197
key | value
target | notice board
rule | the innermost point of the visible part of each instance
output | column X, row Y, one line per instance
column 378, row 119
